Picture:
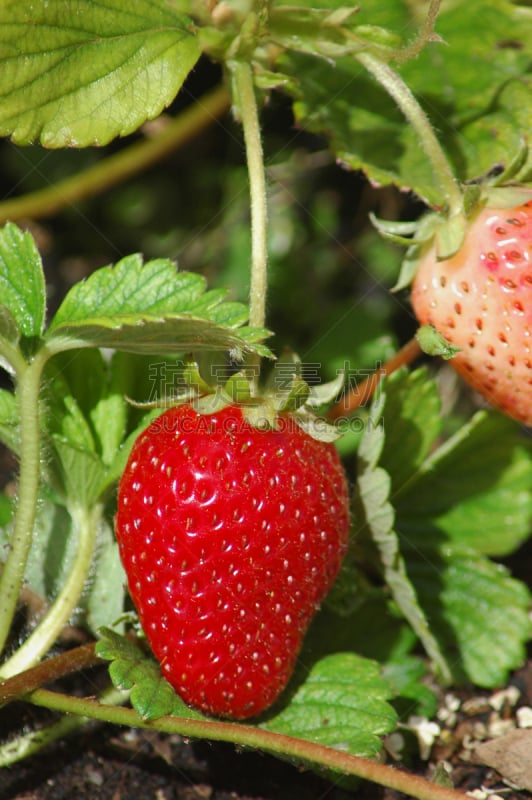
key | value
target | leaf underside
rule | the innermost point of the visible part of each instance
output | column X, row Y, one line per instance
column 80, row 72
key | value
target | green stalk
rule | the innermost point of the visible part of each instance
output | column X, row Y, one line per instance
column 399, row 91
column 115, row 169
column 28, row 744
column 248, row 736
column 28, row 392
column 50, row 627
column 246, row 105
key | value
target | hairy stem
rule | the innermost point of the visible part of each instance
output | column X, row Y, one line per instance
column 47, row 671
column 423, row 36
column 28, row 392
column 29, row 744
column 112, row 170
column 399, row 91
column 274, row 743
column 50, row 627
column 246, row 106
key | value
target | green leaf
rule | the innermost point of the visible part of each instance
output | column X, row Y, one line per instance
column 476, row 489
column 341, row 702
column 53, row 550
column 107, row 591
column 22, row 288
column 477, row 129
column 86, row 400
column 375, row 514
column 412, row 422
column 9, row 330
column 80, row 72
column 413, row 696
column 9, row 420
column 148, row 308
column 475, row 605
column 474, row 493
column 151, row 695
column 7, row 507
column 83, row 473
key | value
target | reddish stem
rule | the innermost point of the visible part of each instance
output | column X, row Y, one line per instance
column 361, row 394
column 47, row 671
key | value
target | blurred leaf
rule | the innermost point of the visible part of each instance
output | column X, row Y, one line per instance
column 107, row 590
column 22, row 289
column 53, row 549
column 83, row 473
column 9, row 420
column 412, row 423
column 7, row 507
column 475, row 490
column 413, row 696
column 341, row 702
column 79, row 73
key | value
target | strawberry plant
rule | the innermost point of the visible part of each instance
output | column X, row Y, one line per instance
column 318, row 543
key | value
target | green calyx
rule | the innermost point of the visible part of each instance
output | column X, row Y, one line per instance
column 286, row 393
column 502, row 187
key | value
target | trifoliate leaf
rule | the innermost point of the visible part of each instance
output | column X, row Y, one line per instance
column 151, row 694
column 22, row 289
column 79, row 73
column 340, row 701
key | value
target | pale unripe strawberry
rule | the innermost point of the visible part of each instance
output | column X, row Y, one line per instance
column 480, row 300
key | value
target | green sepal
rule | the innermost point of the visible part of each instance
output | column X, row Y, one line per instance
column 401, row 233
column 450, row 236
column 193, row 380
column 324, row 393
column 434, row 344
column 296, row 396
column 516, row 164
column 508, row 196
column 238, row 388
column 425, row 230
column 317, row 427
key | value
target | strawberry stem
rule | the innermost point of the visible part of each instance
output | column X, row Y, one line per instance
column 360, row 395
column 116, row 168
column 28, row 391
column 399, row 91
column 248, row 736
column 246, row 106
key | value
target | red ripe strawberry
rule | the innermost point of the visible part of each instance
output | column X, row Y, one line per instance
column 481, row 301
column 230, row 536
